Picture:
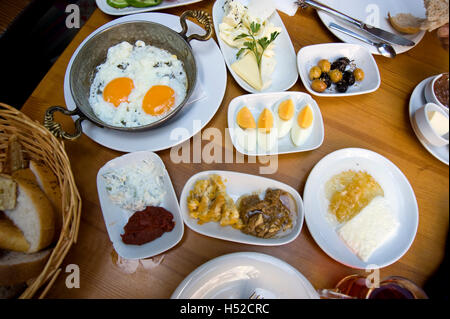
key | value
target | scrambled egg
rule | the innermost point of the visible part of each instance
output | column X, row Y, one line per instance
column 209, row 202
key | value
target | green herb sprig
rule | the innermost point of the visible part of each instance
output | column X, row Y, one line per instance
column 252, row 45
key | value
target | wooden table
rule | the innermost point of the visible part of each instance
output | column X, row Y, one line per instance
column 378, row 121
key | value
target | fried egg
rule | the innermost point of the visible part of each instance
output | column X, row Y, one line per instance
column 285, row 112
column 267, row 135
column 245, row 129
column 302, row 127
column 137, row 85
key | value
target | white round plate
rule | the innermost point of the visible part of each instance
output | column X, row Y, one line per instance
column 239, row 275
column 416, row 101
column 211, row 74
column 116, row 217
column 239, row 184
column 371, row 12
column 166, row 4
column 397, row 191
column 282, row 78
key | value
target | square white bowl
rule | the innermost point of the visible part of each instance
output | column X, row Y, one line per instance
column 116, row 217
column 310, row 55
column 257, row 102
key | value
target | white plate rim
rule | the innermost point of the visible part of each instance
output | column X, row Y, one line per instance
column 316, row 233
column 244, row 85
column 416, row 94
column 103, row 6
column 305, row 79
column 98, row 134
column 326, row 18
column 197, row 273
column 230, row 119
column 252, row 240
column 170, row 192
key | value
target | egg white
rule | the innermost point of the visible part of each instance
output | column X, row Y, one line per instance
column 283, row 127
column 300, row 135
column 247, row 138
column 147, row 66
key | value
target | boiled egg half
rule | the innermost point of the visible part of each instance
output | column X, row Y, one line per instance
column 285, row 112
column 267, row 135
column 246, row 129
column 302, row 127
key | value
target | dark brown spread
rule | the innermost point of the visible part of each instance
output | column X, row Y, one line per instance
column 441, row 89
column 266, row 218
column 147, row 225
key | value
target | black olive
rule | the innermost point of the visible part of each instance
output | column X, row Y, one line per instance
column 326, row 79
column 344, row 60
column 348, row 78
column 341, row 87
column 339, row 65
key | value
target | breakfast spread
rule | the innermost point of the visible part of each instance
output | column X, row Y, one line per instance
column 439, row 122
column 137, row 85
column 441, row 89
column 274, row 123
column 247, row 29
column 343, row 73
column 364, row 218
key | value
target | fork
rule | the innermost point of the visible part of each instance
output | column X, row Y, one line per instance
column 254, row 295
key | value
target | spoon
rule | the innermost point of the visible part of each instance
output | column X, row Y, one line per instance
column 383, row 48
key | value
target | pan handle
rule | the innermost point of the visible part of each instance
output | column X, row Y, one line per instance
column 55, row 128
column 202, row 17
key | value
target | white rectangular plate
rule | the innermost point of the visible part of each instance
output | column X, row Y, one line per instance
column 166, row 4
column 257, row 102
column 238, row 184
column 116, row 218
column 284, row 77
column 310, row 55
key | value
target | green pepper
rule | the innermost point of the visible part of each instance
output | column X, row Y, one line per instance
column 118, row 3
column 144, row 3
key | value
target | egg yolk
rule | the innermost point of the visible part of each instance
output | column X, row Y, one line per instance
column 117, row 90
column 245, row 118
column 286, row 110
column 158, row 100
column 265, row 120
column 305, row 117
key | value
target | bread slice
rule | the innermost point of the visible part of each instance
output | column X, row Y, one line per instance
column 15, row 157
column 405, row 23
column 11, row 237
column 33, row 213
column 49, row 184
column 8, row 192
column 437, row 14
column 16, row 267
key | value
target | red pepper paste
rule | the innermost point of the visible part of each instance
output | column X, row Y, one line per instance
column 147, row 225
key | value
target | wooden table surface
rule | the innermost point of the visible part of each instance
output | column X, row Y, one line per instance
column 378, row 121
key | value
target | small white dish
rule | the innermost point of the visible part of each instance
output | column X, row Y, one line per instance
column 257, row 102
column 102, row 5
column 422, row 121
column 282, row 78
column 116, row 218
column 239, row 275
column 416, row 101
column 238, row 184
column 310, row 55
column 398, row 193
column 430, row 96
column 373, row 12
column 211, row 74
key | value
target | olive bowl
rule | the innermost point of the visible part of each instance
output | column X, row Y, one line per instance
column 94, row 52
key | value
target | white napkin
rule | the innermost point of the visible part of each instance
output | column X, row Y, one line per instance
column 287, row 6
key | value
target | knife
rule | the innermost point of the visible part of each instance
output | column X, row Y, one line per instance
column 376, row 32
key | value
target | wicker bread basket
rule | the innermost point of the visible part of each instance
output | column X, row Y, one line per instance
column 40, row 145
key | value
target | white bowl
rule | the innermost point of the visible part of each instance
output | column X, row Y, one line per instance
column 116, row 218
column 310, row 55
column 430, row 96
column 423, row 124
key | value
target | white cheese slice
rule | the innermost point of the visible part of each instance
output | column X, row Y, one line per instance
column 247, row 68
column 370, row 229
